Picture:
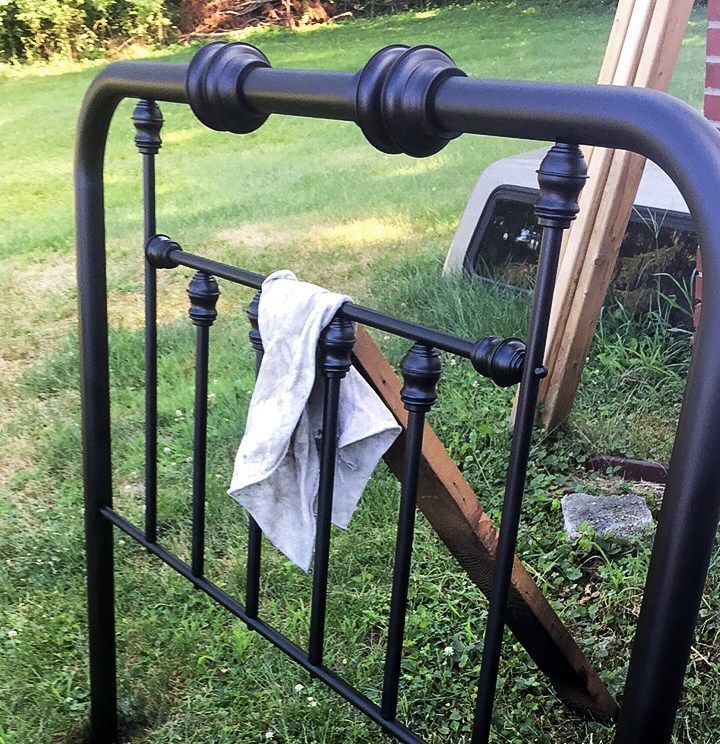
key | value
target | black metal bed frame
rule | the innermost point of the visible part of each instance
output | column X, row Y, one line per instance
column 411, row 100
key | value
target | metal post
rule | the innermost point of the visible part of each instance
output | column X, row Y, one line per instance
column 100, row 589
column 335, row 346
column 203, row 292
column 421, row 371
column 148, row 121
column 561, row 175
column 252, row 581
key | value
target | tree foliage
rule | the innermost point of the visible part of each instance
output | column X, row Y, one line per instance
column 73, row 29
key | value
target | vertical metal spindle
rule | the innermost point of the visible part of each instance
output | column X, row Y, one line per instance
column 561, row 176
column 336, row 344
column 148, row 121
column 203, row 292
column 252, row 582
column 421, row 372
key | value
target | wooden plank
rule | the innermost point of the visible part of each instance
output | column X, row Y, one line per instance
column 621, row 21
column 663, row 44
column 594, row 239
column 594, row 278
column 453, row 510
column 634, row 43
column 618, row 31
column 622, row 57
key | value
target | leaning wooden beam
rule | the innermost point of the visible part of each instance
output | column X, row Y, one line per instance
column 647, row 57
column 453, row 510
column 619, row 67
column 616, row 51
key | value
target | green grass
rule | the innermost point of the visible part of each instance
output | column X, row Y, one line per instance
column 312, row 195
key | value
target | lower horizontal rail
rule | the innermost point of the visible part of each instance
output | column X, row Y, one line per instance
column 342, row 688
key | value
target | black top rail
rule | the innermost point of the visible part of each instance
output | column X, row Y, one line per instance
column 414, row 101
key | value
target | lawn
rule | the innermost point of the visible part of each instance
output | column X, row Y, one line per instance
column 314, row 196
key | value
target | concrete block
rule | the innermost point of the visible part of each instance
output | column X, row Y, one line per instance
column 610, row 516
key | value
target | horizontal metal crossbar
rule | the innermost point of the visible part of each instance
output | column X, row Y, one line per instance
column 504, row 368
column 333, row 681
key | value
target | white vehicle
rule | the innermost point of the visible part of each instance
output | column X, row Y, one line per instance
column 497, row 237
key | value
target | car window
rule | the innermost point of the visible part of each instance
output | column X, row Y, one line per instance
column 656, row 262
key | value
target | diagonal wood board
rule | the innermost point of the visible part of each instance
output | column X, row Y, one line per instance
column 455, row 513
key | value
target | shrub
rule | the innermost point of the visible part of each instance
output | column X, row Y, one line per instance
column 74, row 29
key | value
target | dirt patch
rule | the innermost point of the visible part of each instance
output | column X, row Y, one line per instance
column 45, row 296
column 362, row 233
column 257, row 235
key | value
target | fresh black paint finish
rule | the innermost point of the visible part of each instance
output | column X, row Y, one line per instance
column 204, row 293
column 336, row 344
column 421, row 371
column 252, row 577
column 148, row 122
column 414, row 101
column 562, row 175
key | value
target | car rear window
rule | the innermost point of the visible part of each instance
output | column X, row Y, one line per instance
column 656, row 262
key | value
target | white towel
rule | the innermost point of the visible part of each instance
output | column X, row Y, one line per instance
column 277, row 467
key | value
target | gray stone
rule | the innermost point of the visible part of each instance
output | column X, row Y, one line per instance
column 610, row 516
